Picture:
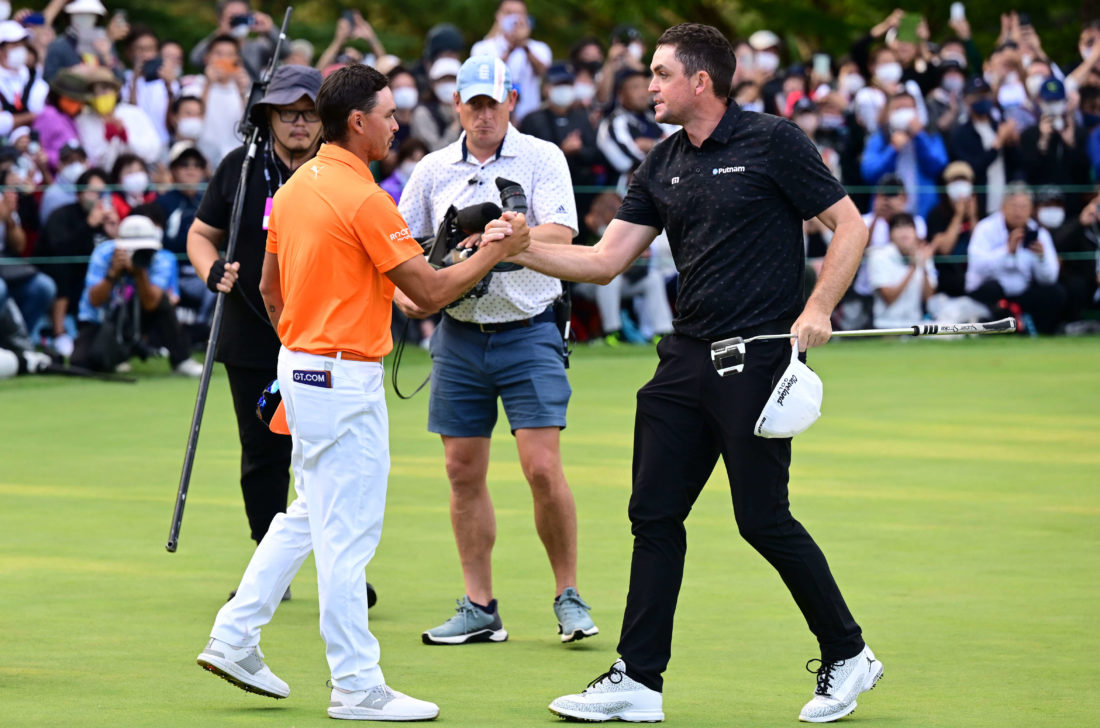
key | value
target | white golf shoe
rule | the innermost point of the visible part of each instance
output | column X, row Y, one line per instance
column 242, row 666
column 379, row 703
column 612, row 696
column 839, row 684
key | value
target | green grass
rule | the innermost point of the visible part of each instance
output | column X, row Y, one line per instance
column 953, row 486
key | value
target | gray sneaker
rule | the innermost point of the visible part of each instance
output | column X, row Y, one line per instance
column 242, row 666
column 572, row 613
column 469, row 624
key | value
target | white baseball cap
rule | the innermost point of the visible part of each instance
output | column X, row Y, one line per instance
column 138, row 232
column 12, row 32
column 91, row 7
column 443, row 67
column 794, row 404
column 484, row 76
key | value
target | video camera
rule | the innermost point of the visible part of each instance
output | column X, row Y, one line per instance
column 442, row 249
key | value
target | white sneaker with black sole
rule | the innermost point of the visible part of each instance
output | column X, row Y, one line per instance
column 242, row 666
column 611, row 696
column 839, row 684
column 379, row 703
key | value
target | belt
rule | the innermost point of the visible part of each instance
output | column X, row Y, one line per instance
column 496, row 328
column 348, row 356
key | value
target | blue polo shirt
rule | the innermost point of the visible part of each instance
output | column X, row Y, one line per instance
column 163, row 273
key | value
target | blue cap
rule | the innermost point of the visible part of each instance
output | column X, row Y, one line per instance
column 484, row 76
column 1052, row 90
column 559, row 73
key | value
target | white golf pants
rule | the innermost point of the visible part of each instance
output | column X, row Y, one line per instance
column 336, row 412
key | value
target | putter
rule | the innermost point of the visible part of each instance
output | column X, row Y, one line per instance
column 728, row 355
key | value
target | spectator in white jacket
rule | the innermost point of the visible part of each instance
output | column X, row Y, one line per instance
column 108, row 128
column 1013, row 265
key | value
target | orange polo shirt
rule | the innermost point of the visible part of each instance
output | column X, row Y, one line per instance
column 337, row 233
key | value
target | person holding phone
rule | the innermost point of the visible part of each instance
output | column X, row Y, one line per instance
column 148, row 83
column 255, row 32
column 527, row 59
column 224, row 96
column 1013, row 265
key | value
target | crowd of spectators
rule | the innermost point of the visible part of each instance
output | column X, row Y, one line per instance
column 976, row 167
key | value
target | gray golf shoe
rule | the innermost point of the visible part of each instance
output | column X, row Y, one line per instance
column 242, row 666
column 574, row 622
column 469, row 624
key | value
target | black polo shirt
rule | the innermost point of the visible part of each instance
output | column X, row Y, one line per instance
column 733, row 211
column 247, row 338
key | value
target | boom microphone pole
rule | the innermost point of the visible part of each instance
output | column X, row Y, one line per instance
column 251, row 133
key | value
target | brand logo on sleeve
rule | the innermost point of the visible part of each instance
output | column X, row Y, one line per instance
column 402, row 234
column 316, row 170
column 313, row 377
column 726, row 170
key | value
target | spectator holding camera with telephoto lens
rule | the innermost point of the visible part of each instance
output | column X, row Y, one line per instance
column 514, row 321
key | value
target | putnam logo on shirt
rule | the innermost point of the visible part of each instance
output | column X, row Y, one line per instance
column 726, row 170
column 402, row 234
column 313, row 377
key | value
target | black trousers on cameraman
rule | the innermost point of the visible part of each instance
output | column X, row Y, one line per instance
column 686, row 417
column 265, row 456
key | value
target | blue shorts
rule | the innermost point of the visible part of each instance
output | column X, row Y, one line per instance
column 470, row 370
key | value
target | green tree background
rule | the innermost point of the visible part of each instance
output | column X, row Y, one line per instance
column 805, row 25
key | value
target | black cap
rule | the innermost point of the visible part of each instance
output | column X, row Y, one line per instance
column 804, row 105
column 443, row 37
column 1048, row 194
column 890, row 185
column 625, row 33
column 559, row 73
column 289, row 84
column 977, row 85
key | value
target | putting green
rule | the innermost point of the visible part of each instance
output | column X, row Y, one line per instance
column 954, row 487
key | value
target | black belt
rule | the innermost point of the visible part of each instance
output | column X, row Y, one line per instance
column 496, row 328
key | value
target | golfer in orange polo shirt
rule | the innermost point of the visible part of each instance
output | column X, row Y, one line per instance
column 336, row 247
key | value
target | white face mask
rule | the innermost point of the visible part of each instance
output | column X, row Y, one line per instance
column 900, row 119
column 635, row 50
column 445, row 91
column 960, row 189
column 953, row 84
column 189, row 128
column 1053, row 108
column 17, row 57
column 767, row 61
column 5, row 10
column 1051, row 217
column 240, row 31
column 850, row 83
column 888, row 72
column 83, row 22
column 71, row 172
column 135, row 183
column 1033, row 84
column 1011, row 94
column 405, row 97
column 585, row 92
column 562, row 95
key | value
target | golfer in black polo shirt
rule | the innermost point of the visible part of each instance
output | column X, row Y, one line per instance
column 731, row 189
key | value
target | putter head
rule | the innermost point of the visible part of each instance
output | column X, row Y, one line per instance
column 728, row 356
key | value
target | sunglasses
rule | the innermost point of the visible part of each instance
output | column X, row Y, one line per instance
column 290, row 116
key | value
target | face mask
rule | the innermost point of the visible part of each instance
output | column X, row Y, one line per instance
column 405, row 97
column 850, row 83
column 1085, row 52
column 981, row 107
column 1033, row 84
column 1059, row 123
column 135, row 183
column 88, row 202
column 83, row 22
column 953, row 84
column 767, row 61
column 1011, row 94
column 960, row 189
column 445, row 91
column 71, row 107
column 405, row 169
column 888, row 73
column 71, row 172
column 240, row 31
column 562, row 96
column 5, row 10
column 104, row 104
column 584, row 92
column 593, row 67
column 832, row 121
column 189, row 128
column 17, row 58
column 808, row 123
column 900, row 119
column 635, row 50
column 1051, row 217
column 1090, row 120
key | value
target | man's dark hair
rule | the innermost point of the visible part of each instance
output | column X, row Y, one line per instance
column 347, row 89
column 902, row 219
column 181, row 100
column 151, row 210
column 90, row 174
column 223, row 38
column 702, row 48
column 138, row 31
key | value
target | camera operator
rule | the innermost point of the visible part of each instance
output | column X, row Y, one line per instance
column 502, row 342
column 112, row 320
column 248, row 346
